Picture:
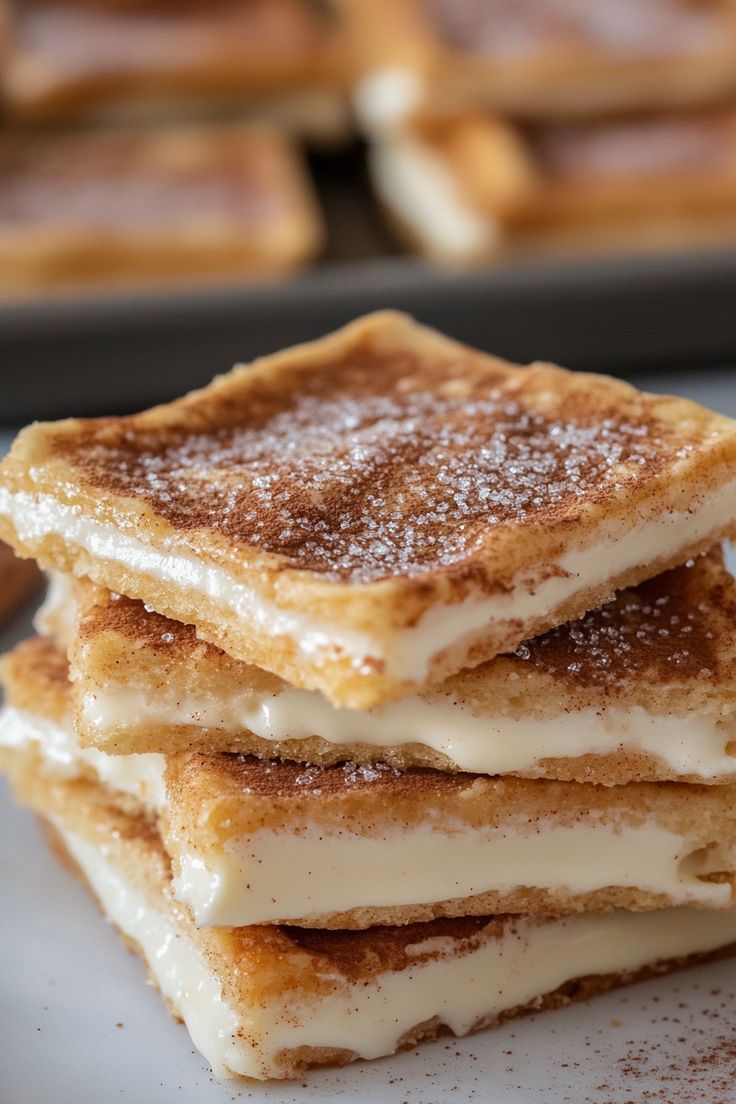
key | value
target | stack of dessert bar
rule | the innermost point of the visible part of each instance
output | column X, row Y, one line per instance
column 550, row 125
column 384, row 688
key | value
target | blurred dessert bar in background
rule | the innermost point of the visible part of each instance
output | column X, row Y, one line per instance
column 473, row 187
column 540, row 58
column 144, row 205
column 282, row 61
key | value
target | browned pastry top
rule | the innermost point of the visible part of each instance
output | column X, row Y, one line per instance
column 636, row 147
column 379, row 461
column 139, row 179
column 507, row 28
column 247, row 774
column 669, row 627
column 363, row 954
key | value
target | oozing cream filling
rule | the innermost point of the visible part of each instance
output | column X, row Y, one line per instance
column 485, row 744
column 408, row 653
column 177, row 967
column 286, row 875
column 369, row 1017
column 139, row 775
column 419, row 188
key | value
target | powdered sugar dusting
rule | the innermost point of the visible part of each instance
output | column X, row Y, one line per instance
column 386, row 466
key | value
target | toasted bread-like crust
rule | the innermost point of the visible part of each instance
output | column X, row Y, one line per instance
column 667, row 647
column 283, row 968
column 547, row 60
column 661, row 181
column 344, row 496
column 155, row 204
column 35, row 678
column 65, row 59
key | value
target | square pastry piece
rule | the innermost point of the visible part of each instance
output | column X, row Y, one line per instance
column 641, row 689
column 172, row 204
column 278, row 60
column 377, row 510
column 269, row 1002
column 469, row 187
column 540, row 58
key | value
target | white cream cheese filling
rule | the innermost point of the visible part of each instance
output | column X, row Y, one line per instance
column 369, row 1018
column 419, row 188
column 483, row 744
column 141, row 775
column 284, row 875
column 410, row 651
column 177, row 967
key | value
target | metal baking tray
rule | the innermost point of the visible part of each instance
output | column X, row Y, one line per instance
column 111, row 353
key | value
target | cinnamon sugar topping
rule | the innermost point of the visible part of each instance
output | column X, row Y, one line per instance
column 662, row 629
column 384, row 463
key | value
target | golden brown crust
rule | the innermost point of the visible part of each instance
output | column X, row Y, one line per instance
column 329, row 466
column 35, row 678
column 156, row 204
column 67, row 59
column 261, row 965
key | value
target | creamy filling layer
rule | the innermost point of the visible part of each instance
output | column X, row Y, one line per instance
column 420, row 190
column 290, row 876
column 139, row 775
column 408, row 654
column 369, row 1017
column 484, row 744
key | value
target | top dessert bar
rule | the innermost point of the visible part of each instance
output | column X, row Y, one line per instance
column 379, row 509
column 541, row 58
